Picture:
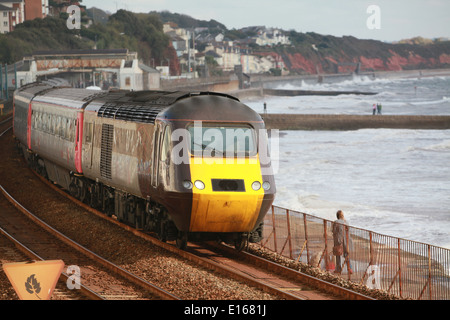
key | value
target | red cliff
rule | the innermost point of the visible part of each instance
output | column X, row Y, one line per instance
column 313, row 53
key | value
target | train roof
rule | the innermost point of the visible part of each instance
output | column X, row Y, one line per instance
column 69, row 97
column 210, row 108
column 58, row 92
column 144, row 106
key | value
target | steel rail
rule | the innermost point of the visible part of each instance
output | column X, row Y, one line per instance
column 6, row 120
column 294, row 274
column 107, row 264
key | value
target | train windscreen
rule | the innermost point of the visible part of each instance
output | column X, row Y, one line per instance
column 222, row 140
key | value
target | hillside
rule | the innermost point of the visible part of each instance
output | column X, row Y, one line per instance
column 141, row 33
column 310, row 53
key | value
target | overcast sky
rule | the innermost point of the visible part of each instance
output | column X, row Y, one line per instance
column 391, row 20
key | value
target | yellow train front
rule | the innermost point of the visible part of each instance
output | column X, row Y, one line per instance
column 216, row 176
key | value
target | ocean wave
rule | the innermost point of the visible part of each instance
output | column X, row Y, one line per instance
column 444, row 146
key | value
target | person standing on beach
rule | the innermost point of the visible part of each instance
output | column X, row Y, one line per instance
column 379, row 108
column 341, row 240
column 374, row 108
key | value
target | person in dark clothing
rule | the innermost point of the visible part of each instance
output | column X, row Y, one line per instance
column 341, row 238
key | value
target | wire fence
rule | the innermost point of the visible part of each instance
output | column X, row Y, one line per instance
column 405, row 268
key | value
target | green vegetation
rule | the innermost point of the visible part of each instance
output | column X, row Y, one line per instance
column 39, row 34
column 142, row 33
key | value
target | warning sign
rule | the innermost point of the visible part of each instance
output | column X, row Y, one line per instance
column 36, row 280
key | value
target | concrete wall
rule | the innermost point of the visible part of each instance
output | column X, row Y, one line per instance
column 353, row 122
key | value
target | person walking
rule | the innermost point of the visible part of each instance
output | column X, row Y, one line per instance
column 374, row 108
column 379, row 108
column 341, row 239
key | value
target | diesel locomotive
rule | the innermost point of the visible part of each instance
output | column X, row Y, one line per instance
column 184, row 165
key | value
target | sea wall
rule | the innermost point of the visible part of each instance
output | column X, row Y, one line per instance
column 353, row 122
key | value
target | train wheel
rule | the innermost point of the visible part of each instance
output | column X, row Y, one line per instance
column 181, row 240
column 161, row 232
column 240, row 243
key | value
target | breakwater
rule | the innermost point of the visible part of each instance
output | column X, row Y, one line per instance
column 353, row 122
column 292, row 93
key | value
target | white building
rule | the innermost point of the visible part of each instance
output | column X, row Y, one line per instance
column 12, row 12
column 5, row 13
column 135, row 76
column 82, row 68
column 228, row 54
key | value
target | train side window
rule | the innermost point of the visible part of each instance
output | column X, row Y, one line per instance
column 33, row 119
column 52, row 124
column 38, row 121
column 58, row 126
column 66, row 129
column 71, row 130
column 44, row 122
column 88, row 133
column 166, row 145
column 49, row 123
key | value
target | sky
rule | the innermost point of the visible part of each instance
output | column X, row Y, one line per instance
column 385, row 20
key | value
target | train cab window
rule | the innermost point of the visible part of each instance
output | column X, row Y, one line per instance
column 223, row 140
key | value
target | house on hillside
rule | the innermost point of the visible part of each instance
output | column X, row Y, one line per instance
column 13, row 12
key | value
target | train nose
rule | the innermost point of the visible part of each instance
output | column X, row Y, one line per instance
column 225, row 212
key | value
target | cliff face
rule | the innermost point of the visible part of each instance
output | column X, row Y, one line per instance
column 315, row 53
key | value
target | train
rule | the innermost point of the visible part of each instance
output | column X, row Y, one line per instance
column 186, row 166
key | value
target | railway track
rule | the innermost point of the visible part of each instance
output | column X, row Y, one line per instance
column 11, row 251
column 266, row 279
column 41, row 242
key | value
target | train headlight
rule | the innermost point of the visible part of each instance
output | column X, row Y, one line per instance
column 256, row 185
column 187, row 184
column 266, row 185
column 199, row 185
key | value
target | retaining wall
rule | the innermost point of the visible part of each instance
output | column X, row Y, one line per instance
column 353, row 122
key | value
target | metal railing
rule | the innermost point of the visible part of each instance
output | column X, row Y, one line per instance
column 405, row 268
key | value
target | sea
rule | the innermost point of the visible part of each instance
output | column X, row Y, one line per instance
column 391, row 181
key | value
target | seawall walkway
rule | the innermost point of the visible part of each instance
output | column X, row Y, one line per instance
column 353, row 122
